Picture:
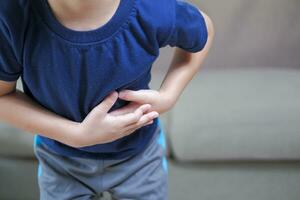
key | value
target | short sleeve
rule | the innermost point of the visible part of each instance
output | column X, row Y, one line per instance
column 189, row 31
column 10, row 69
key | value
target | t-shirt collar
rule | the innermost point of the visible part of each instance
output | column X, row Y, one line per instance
column 121, row 15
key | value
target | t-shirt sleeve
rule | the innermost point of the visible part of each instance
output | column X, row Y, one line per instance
column 189, row 30
column 10, row 69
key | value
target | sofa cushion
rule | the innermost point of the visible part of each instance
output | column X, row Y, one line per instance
column 15, row 142
column 238, row 114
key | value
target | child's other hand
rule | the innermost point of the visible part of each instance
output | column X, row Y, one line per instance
column 99, row 126
column 158, row 100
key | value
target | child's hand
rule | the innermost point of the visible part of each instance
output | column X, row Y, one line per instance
column 99, row 126
column 158, row 100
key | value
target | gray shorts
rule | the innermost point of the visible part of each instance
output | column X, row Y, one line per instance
column 139, row 177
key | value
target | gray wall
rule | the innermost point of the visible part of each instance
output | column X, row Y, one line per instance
column 251, row 33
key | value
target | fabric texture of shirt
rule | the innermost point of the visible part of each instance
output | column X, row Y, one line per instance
column 70, row 72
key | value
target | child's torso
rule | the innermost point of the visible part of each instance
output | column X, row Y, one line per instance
column 70, row 72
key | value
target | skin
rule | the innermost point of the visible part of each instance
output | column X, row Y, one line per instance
column 99, row 126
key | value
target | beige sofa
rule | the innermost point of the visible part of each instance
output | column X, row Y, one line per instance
column 234, row 134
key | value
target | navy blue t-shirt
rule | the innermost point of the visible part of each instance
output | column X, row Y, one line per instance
column 70, row 72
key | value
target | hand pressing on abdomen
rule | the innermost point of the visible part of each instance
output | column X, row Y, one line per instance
column 101, row 126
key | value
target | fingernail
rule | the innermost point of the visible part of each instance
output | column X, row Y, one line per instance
column 155, row 115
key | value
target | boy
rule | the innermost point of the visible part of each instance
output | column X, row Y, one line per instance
column 85, row 68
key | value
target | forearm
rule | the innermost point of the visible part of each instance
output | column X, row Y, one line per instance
column 178, row 76
column 19, row 110
column 184, row 67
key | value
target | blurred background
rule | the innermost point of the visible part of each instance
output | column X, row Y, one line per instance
column 234, row 134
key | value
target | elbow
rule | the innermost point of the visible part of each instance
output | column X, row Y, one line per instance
column 209, row 25
column 210, row 31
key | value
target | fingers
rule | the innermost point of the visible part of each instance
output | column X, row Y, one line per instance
column 145, row 108
column 131, row 95
column 125, row 109
column 108, row 102
column 148, row 123
column 133, row 117
column 144, row 120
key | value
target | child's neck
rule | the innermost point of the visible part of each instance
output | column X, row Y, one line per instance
column 83, row 15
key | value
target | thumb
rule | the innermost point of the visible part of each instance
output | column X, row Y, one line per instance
column 108, row 102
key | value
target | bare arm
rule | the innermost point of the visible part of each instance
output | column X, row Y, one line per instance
column 19, row 110
column 184, row 66
column 99, row 126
